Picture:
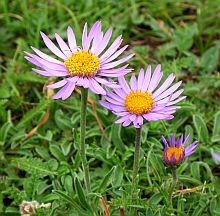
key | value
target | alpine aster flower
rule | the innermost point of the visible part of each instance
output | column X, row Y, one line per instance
column 81, row 66
column 216, row 156
column 176, row 150
column 141, row 101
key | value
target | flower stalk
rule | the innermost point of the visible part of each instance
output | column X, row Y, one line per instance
column 174, row 184
column 85, row 165
column 136, row 166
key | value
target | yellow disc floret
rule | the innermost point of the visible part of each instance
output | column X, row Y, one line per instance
column 83, row 64
column 177, row 152
column 139, row 102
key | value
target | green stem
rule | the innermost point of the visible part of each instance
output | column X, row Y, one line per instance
column 85, row 165
column 174, row 175
column 136, row 165
column 175, row 180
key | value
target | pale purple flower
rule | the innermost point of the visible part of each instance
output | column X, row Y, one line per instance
column 144, row 99
column 216, row 156
column 175, row 150
column 81, row 66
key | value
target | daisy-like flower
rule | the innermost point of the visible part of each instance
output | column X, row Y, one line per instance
column 143, row 99
column 216, row 156
column 175, row 150
column 81, row 66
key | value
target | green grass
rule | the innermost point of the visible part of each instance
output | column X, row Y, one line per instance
column 181, row 35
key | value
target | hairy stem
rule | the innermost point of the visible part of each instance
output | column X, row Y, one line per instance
column 175, row 180
column 134, row 192
column 85, row 165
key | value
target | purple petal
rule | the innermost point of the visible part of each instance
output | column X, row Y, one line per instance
column 155, row 77
column 104, row 42
column 140, row 79
column 126, row 123
column 41, row 72
column 50, row 65
column 136, row 123
column 114, row 56
column 116, row 70
column 73, row 79
column 98, row 36
column 176, row 101
column 140, row 120
column 113, row 101
column 176, row 94
column 92, row 32
column 84, row 38
column 173, row 159
column 121, row 113
column 65, row 49
column 118, row 108
column 168, row 91
column 68, row 91
column 50, row 45
column 57, row 84
column 172, row 141
column 146, row 80
column 86, row 83
column 122, row 119
column 157, row 116
column 33, row 61
column 60, row 93
column 124, row 84
column 165, row 142
column 80, row 81
column 115, row 97
column 133, row 117
column 71, row 39
column 133, row 83
column 121, row 93
column 112, row 48
column 216, row 156
column 164, row 86
column 116, row 63
column 190, row 149
column 105, row 104
column 55, row 72
column 187, row 139
column 178, row 142
column 96, row 86
column 46, row 57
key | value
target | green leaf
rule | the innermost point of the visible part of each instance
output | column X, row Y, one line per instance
column 105, row 180
column 33, row 112
column 195, row 170
column 189, row 130
column 118, row 176
column 66, row 146
column 216, row 127
column 33, row 165
column 201, row 128
column 116, row 136
column 62, row 121
column 4, row 132
column 209, row 59
column 81, row 194
column 155, row 199
column 57, row 153
column 42, row 186
column 68, row 184
column 43, row 152
column 71, row 201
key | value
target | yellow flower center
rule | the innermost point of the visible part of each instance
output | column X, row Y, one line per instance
column 139, row 102
column 177, row 152
column 83, row 64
